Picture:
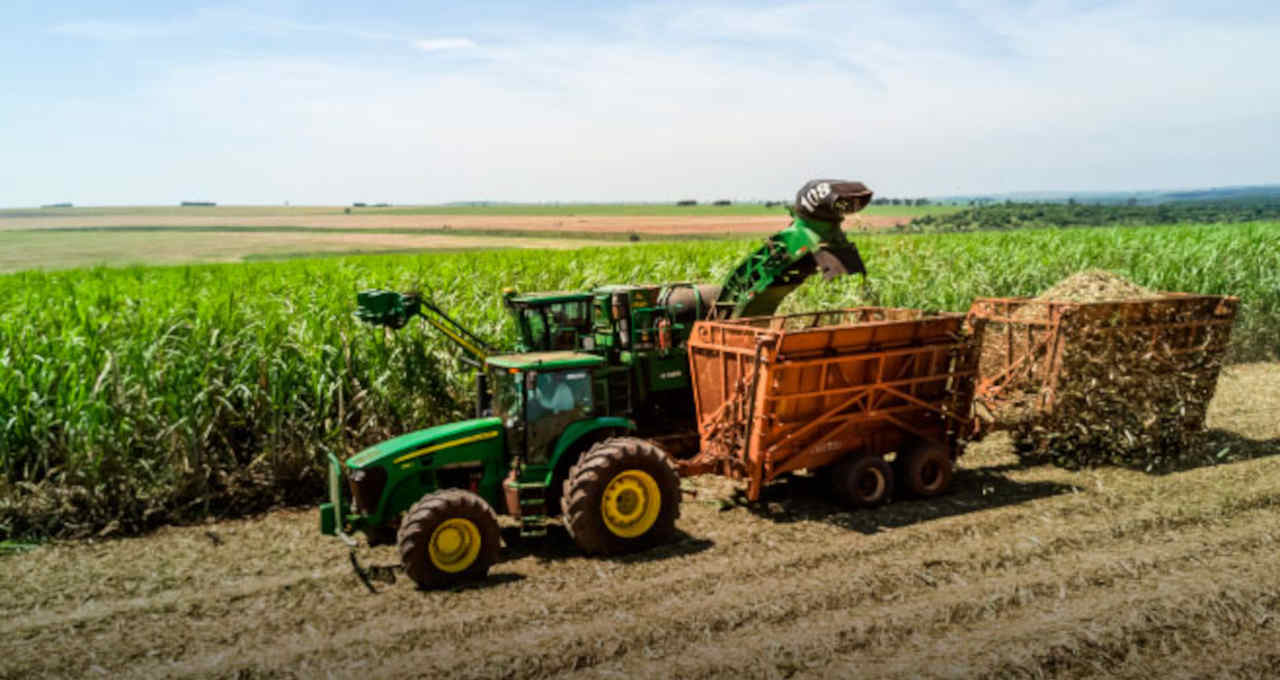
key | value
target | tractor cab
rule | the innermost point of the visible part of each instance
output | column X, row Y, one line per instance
column 538, row 396
column 553, row 321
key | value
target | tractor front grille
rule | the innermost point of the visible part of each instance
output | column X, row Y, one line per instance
column 366, row 488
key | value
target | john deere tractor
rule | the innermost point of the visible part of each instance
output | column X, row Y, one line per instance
column 579, row 420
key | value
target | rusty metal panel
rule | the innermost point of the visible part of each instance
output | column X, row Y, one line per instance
column 776, row 394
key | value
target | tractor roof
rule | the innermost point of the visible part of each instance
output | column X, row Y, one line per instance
column 545, row 360
column 625, row 288
column 551, row 296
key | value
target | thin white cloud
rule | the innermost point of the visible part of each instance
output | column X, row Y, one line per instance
column 437, row 44
column 214, row 21
column 111, row 30
column 709, row 102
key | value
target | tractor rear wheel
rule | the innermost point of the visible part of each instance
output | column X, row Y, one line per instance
column 862, row 482
column 448, row 537
column 926, row 469
column 623, row 495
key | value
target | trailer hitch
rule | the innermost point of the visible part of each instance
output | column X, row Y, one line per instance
column 374, row 572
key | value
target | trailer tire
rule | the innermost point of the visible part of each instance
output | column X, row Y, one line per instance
column 926, row 470
column 448, row 537
column 623, row 495
column 864, row 481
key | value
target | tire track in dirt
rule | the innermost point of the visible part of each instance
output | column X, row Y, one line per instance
column 1252, row 655
column 794, row 582
column 290, row 599
column 784, row 565
column 938, row 626
column 1184, row 611
column 1008, row 520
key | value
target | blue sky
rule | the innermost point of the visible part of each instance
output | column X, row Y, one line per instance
column 328, row 103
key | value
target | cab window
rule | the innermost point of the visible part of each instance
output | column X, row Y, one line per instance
column 506, row 395
column 537, row 325
column 560, row 392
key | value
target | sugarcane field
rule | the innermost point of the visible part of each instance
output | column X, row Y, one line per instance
column 639, row 340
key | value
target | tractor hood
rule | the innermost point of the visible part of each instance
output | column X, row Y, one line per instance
column 426, row 442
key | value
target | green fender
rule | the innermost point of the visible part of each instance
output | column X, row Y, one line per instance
column 577, row 431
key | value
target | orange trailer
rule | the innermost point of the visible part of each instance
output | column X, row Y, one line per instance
column 865, row 395
column 1026, row 344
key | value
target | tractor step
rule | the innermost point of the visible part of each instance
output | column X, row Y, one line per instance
column 531, row 497
column 533, row 526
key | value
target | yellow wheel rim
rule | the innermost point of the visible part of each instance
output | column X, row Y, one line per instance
column 631, row 503
column 455, row 544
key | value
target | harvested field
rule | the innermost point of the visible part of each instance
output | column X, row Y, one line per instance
column 155, row 236
column 1021, row 571
column 56, row 250
column 653, row 225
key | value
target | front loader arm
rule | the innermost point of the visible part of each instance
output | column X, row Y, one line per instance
column 813, row 242
column 394, row 310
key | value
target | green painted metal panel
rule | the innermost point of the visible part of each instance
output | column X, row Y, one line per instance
column 577, row 431
column 546, row 360
column 421, row 439
column 415, row 464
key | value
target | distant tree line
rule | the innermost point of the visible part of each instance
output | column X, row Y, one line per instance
column 1010, row 215
column 900, row 201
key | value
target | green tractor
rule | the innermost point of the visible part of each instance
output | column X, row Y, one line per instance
column 580, row 421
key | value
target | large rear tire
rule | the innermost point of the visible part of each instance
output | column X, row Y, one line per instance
column 864, row 481
column 926, row 469
column 623, row 495
column 448, row 537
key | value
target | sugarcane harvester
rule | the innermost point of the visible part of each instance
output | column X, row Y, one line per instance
column 580, row 419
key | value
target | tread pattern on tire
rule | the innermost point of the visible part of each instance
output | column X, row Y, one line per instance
column 584, row 487
column 842, row 482
column 422, row 519
column 910, row 465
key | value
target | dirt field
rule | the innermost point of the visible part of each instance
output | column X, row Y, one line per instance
column 674, row 225
column 162, row 236
column 1021, row 571
column 54, row 249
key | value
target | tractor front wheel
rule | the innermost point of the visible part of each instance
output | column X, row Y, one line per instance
column 448, row 537
column 623, row 495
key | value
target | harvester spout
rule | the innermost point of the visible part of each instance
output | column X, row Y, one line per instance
column 822, row 204
column 813, row 242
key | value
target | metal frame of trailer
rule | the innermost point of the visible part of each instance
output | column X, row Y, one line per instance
column 804, row 391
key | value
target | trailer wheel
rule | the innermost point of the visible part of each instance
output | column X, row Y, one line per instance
column 448, row 537
column 862, row 482
column 926, row 469
column 623, row 495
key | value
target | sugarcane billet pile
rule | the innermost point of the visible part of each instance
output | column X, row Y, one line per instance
column 1115, row 373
